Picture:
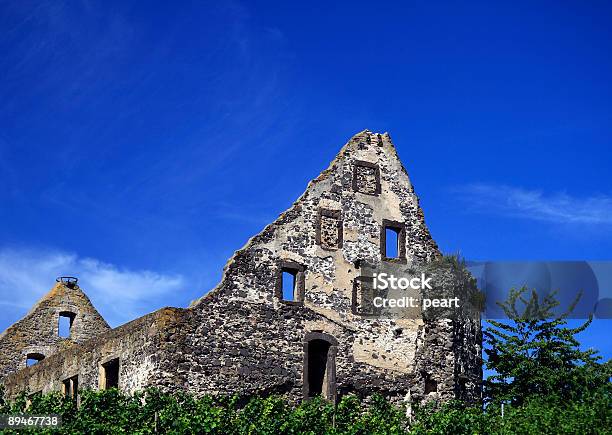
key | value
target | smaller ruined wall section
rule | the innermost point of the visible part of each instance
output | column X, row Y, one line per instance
column 38, row 331
column 136, row 344
column 449, row 361
column 449, row 357
column 468, row 360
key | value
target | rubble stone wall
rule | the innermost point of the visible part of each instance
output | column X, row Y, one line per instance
column 243, row 337
column 136, row 344
column 38, row 331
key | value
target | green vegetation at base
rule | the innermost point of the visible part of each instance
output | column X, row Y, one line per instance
column 111, row 412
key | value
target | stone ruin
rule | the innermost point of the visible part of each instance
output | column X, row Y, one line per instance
column 248, row 336
column 37, row 335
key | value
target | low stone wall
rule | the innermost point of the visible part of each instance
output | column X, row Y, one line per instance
column 136, row 344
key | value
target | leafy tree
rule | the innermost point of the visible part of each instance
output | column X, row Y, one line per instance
column 536, row 355
column 538, row 417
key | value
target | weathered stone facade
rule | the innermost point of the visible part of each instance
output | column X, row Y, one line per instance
column 37, row 334
column 244, row 337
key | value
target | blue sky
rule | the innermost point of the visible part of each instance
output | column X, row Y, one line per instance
column 140, row 145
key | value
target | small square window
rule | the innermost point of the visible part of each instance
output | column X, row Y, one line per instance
column 366, row 178
column 290, row 286
column 329, row 229
column 110, row 373
column 65, row 321
column 34, row 358
column 289, row 278
column 362, row 296
column 70, row 387
column 393, row 241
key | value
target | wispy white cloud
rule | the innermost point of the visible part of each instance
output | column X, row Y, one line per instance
column 533, row 204
column 119, row 294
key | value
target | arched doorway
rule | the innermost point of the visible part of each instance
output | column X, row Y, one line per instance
column 320, row 365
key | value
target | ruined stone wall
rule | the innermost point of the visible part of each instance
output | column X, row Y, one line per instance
column 359, row 202
column 252, row 272
column 333, row 228
column 136, row 344
column 38, row 331
column 260, row 350
column 243, row 337
column 244, row 348
column 449, row 346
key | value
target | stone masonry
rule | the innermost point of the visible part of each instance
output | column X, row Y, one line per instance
column 246, row 337
column 37, row 334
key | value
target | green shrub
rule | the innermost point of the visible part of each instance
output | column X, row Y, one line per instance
column 151, row 411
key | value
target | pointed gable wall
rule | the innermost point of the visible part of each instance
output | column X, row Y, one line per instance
column 332, row 230
column 38, row 331
column 364, row 186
